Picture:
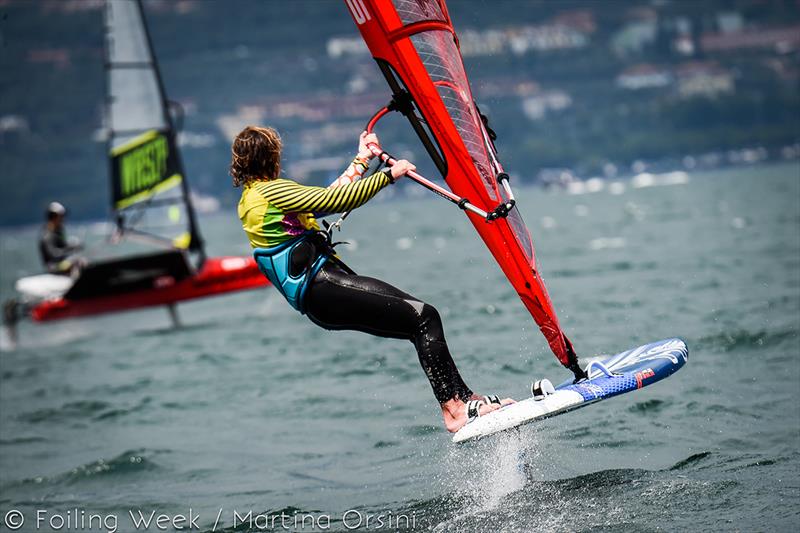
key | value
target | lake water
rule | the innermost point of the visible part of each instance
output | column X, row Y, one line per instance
column 251, row 408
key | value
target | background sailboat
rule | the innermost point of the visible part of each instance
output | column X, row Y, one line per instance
column 150, row 200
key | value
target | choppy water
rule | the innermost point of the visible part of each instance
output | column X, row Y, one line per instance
column 251, row 408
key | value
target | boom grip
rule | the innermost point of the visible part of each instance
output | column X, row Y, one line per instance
column 376, row 149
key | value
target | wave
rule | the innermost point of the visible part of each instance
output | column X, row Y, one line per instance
column 652, row 405
column 124, row 465
column 67, row 411
column 737, row 339
column 83, row 409
column 625, row 499
column 691, row 461
column 498, row 487
column 21, row 440
column 600, row 268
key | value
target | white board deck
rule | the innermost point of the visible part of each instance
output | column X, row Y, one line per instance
column 631, row 370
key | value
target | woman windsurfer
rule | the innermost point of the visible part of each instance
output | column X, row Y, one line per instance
column 279, row 217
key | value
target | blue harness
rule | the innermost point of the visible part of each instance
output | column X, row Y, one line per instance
column 275, row 264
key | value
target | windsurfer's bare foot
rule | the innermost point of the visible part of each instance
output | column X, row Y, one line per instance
column 454, row 411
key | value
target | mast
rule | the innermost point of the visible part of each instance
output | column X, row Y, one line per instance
column 416, row 48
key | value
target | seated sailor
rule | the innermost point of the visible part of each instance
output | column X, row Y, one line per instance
column 56, row 249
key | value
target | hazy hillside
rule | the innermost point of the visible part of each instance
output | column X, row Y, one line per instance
column 591, row 86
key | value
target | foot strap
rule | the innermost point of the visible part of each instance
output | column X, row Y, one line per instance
column 492, row 398
column 474, row 406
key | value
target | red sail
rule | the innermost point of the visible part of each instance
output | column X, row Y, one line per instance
column 415, row 45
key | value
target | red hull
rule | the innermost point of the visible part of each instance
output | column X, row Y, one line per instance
column 219, row 275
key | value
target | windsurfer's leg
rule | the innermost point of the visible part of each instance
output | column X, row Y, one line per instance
column 340, row 300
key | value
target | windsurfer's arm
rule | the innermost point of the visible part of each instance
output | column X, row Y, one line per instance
column 291, row 197
column 360, row 163
column 353, row 172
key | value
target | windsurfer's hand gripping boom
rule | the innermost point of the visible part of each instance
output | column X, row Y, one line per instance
column 369, row 147
column 361, row 162
column 374, row 146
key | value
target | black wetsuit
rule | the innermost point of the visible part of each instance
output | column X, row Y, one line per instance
column 273, row 211
column 340, row 299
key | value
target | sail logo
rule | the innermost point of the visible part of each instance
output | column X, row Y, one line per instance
column 358, row 10
column 144, row 166
column 673, row 350
column 647, row 373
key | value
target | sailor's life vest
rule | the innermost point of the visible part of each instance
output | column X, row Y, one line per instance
column 292, row 265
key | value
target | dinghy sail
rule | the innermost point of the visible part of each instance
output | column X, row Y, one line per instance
column 150, row 195
column 416, row 48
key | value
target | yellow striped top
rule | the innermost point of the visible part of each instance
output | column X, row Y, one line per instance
column 274, row 211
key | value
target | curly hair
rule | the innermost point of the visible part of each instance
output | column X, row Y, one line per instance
column 256, row 155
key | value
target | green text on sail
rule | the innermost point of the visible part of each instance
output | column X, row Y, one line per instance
column 144, row 166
